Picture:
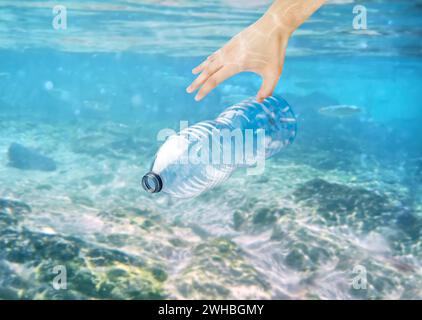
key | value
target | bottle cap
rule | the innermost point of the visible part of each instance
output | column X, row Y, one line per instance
column 152, row 182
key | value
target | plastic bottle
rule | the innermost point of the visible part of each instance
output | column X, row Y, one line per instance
column 204, row 155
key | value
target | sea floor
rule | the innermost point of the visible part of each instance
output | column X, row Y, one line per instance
column 322, row 222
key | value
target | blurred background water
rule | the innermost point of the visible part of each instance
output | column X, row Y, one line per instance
column 93, row 97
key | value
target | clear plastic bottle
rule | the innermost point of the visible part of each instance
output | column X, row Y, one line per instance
column 204, row 155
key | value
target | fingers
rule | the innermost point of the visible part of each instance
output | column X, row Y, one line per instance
column 269, row 82
column 215, row 73
column 205, row 63
column 214, row 80
column 211, row 68
column 270, row 77
column 200, row 67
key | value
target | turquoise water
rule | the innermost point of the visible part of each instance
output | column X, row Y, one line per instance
column 345, row 197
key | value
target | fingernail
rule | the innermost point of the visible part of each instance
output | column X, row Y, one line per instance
column 197, row 98
column 189, row 89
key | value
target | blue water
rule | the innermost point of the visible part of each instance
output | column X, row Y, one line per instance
column 346, row 195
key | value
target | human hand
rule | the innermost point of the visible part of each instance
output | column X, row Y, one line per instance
column 260, row 48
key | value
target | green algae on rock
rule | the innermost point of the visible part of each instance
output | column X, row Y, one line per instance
column 219, row 270
column 258, row 216
column 92, row 272
column 12, row 211
column 338, row 204
column 363, row 210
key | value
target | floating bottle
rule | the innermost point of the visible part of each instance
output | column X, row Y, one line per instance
column 204, row 155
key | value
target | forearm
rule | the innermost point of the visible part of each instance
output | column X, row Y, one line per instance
column 260, row 48
column 290, row 14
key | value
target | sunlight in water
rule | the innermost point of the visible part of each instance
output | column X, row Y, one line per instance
column 81, row 109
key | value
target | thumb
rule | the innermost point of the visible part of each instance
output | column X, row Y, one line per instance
column 269, row 81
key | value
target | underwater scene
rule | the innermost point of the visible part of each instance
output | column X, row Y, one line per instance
column 335, row 215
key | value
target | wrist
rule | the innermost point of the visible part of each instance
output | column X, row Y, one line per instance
column 290, row 14
column 272, row 21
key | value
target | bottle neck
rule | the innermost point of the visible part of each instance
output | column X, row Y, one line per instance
column 152, row 182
